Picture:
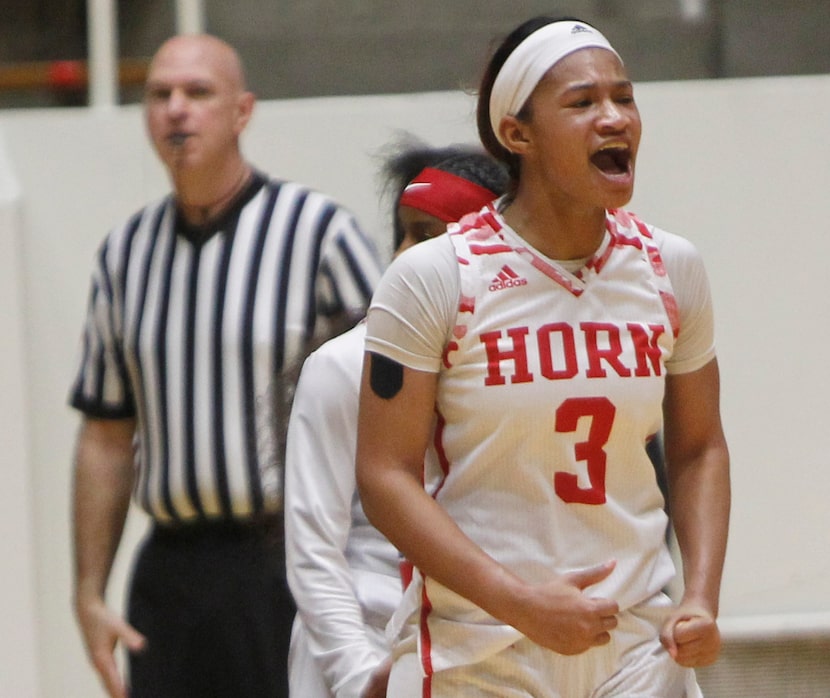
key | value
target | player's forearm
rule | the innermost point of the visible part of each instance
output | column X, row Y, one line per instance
column 319, row 488
column 399, row 507
column 323, row 588
column 700, row 504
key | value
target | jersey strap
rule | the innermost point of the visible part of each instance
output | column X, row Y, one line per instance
column 626, row 228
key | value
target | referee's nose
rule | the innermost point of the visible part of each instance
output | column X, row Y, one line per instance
column 177, row 103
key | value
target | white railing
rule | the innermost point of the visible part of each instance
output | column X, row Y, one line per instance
column 775, row 627
column 102, row 28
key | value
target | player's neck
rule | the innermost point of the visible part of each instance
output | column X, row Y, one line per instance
column 202, row 200
column 558, row 232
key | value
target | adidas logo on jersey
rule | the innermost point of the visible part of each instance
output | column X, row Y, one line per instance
column 507, row 278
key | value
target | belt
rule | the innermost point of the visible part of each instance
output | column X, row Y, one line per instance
column 262, row 526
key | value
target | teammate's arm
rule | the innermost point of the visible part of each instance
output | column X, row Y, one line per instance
column 395, row 423
column 697, row 461
column 319, row 487
column 103, row 481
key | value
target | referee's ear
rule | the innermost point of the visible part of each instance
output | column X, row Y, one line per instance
column 245, row 108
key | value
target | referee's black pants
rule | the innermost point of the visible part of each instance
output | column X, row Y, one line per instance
column 212, row 601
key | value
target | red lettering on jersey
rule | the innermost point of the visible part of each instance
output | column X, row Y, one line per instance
column 601, row 412
column 567, row 347
column 646, row 349
column 610, row 354
column 495, row 356
column 558, row 356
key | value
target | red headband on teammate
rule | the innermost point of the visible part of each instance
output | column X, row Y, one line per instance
column 445, row 196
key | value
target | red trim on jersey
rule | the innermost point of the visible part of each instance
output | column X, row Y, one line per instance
column 438, row 443
column 467, row 304
column 670, row 304
column 656, row 259
column 493, row 248
column 458, row 332
column 405, row 569
column 445, row 355
column 619, row 237
column 490, row 218
column 426, row 640
column 550, row 271
column 426, row 605
column 426, row 687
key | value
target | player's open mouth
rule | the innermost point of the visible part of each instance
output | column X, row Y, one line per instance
column 613, row 159
column 177, row 139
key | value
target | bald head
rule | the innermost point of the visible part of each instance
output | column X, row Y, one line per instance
column 209, row 52
column 196, row 106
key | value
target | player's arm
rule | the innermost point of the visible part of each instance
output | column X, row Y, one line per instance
column 103, row 479
column 319, row 487
column 697, row 461
column 394, row 425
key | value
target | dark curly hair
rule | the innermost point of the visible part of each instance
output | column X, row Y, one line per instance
column 405, row 159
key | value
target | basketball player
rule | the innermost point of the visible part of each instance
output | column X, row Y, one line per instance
column 343, row 573
column 534, row 351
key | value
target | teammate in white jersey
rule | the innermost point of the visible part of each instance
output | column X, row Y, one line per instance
column 343, row 573
column 535, row 351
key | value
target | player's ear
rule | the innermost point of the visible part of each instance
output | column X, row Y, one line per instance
column 513, row 134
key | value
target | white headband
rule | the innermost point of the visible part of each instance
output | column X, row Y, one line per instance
column 531, row 59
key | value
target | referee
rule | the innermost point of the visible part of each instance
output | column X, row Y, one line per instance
column 202, row 307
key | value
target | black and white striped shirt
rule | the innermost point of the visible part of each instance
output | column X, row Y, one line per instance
column 193, row 331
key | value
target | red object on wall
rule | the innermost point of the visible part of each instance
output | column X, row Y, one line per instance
column 67, row 75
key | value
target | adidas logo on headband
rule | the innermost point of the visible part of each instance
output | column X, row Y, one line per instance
column 577, row 28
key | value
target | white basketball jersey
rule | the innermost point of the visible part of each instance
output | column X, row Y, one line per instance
column 550, row 389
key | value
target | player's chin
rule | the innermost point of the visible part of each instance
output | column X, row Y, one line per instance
column 616, row 199
column 621, row 190
column 615, row 188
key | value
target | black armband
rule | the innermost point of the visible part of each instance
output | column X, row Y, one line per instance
column 385, row 376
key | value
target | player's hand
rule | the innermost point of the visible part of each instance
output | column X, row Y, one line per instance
column 690, row 635
column 376, row 686
column 561, row 617
column 102, row 629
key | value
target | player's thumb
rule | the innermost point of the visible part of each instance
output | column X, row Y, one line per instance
column 592, row 575
column 133, row 640
column 667, row 638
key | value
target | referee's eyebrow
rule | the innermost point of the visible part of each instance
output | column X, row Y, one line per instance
column 161, row 86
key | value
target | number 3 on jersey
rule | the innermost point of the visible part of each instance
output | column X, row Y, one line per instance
column 601, row 412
